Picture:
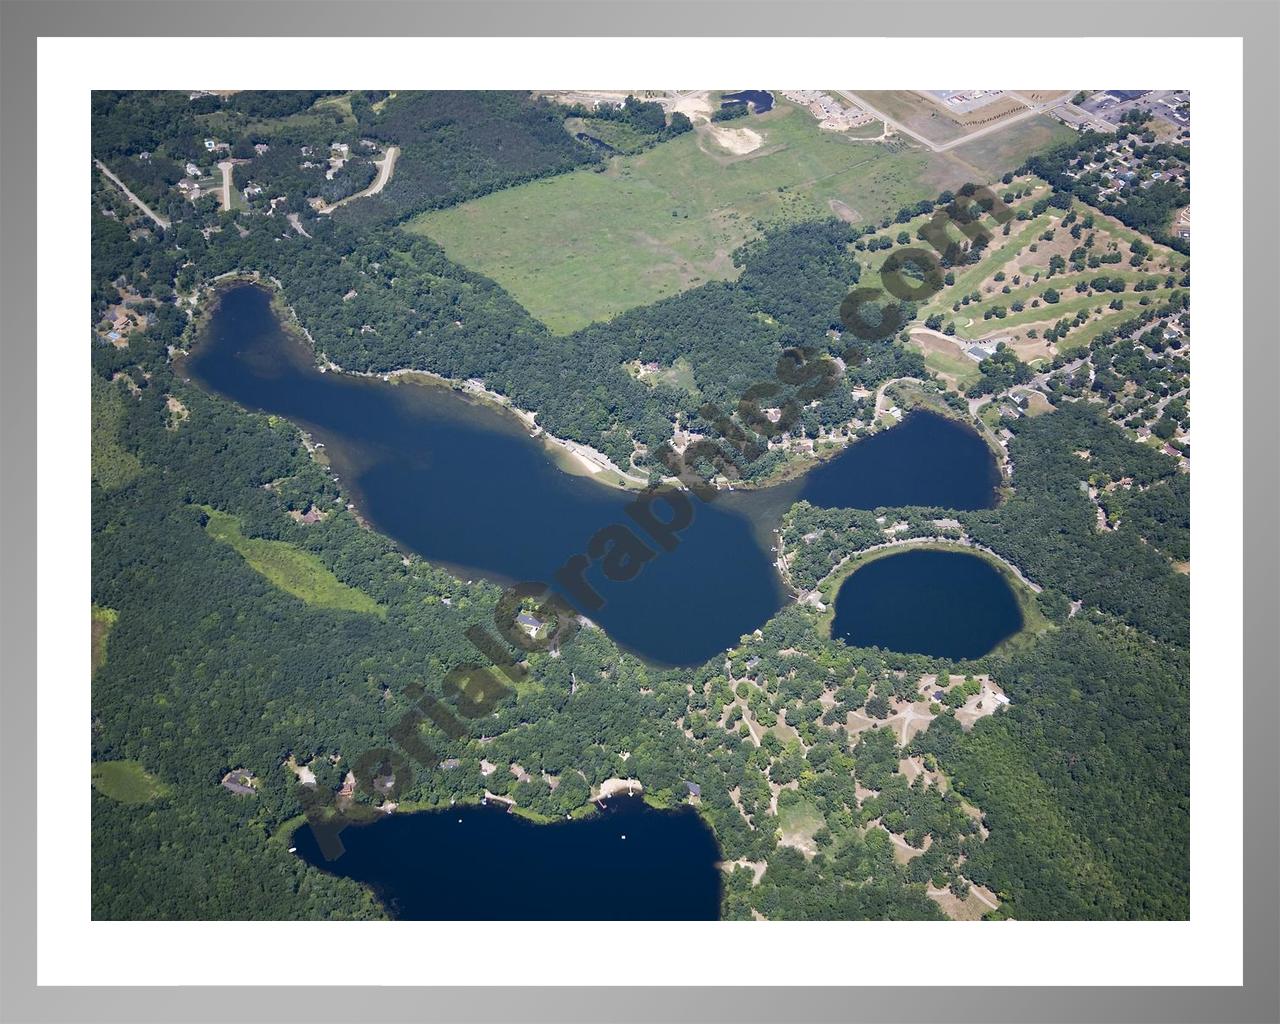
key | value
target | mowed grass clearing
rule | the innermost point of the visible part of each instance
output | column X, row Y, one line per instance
column 293, row 570
column 126, row 781
column 798, row 820
column 586, row 246
column 101, row 621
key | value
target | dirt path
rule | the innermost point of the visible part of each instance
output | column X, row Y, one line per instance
column 884, row 387
column 161, row 221
column 386, row 167
column 909, row 716
column 225, row 168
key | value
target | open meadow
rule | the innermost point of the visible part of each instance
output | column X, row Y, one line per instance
column 586, row 246
column 292, row 569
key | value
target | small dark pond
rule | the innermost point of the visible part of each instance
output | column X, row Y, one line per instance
column 925, row 460
column 627, row 863
column 760, row 99
column 599, row 144
column 948, row 604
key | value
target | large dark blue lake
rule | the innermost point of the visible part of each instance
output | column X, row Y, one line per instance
column 462, row 484
column 626, row 863
column 945, row 603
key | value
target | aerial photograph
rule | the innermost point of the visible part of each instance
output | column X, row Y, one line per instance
column 640, row 504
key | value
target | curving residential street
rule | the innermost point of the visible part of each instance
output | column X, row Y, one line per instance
column 161, row 221
column 386, row 167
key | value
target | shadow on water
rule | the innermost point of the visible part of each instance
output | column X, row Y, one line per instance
column 628, row 862
column 463, row 485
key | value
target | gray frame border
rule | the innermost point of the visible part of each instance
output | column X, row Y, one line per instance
column 23, row 21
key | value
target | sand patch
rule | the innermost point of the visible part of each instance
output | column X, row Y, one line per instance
column 738, row 141
column 970, row 908
column 943, row 345
column 696, row 106
column 616, row 787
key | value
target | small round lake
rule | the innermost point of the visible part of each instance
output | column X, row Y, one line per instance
column 629, row 862
column 943, row 603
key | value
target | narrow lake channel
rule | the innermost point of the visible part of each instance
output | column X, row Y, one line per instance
column 462, row 484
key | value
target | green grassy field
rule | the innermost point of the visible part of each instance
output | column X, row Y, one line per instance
column 960, row 369
column 798, row 818
column 678, row 375
column 998, row 152
column 293, row 570
column 1067, row 308
column 111, row 465
column 126, row 781
column 586, row 246
column 101, row 621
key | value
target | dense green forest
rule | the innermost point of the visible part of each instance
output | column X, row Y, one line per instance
column 459, row 144
column 1084, row 786
column 1069, row 803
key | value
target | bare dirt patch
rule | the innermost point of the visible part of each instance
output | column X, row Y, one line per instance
column 904, row 852
column 739, row 141
column 914, row 767
column 303, row 772
column 985, row 702
column 908, row 720
column 1028, row 349
column 844, row 211
column 969, row 908
column 177, row 412
column 694, row 105
column 931, row 341
column 756, row 866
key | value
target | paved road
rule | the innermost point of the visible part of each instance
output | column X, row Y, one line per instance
column 161, row 221
column 385, row 168
column 1032, row 110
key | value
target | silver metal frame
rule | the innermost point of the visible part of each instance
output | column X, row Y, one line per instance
column 21, row 23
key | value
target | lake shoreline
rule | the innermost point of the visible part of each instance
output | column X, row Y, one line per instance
column 443, row 863
column 396, row 452
column 575, row 458
column 1024, row 590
